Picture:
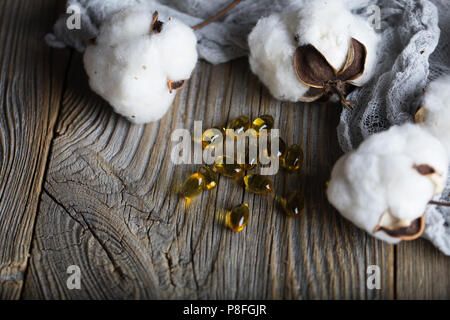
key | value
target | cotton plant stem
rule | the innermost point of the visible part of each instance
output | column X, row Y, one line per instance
column 438, row 203
column 217, row 16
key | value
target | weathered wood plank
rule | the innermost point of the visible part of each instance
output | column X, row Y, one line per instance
column 110, row 206
column 31, row 85
column 423, row 272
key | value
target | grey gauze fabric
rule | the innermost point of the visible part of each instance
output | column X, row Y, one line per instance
column 409, row 57
column 218, row 42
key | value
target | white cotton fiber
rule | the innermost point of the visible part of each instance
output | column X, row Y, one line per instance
column 381, row 177
column 177, row 49
column 327, row 25
column 437, row 110
column 272, row 48
column 130, row 64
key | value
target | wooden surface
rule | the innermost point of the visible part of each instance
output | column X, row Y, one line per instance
column 81, row 186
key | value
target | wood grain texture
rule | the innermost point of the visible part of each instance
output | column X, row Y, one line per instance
column 31, row 85
column 423, row 272
column 84, row 187
column 110, row 206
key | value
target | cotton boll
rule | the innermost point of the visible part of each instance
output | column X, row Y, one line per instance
column 389, row 180
column 131, row 64
column 437, row 110
column 272, row 48
column 328, row 26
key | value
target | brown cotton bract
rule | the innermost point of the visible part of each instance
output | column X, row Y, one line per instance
column 313, row 70
column 411, row 232
column 156, row 24
column 175, row 85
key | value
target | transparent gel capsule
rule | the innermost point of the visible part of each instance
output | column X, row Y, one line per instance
column 239, row 125
column 251, row 158
column 294, row 204
column 258, row 184
column 210, row 177
column 264, row 122
column 282, row 148
column 237, row 218
column 293, row 159
column 212, row 136
column 230, row 170
column 193, row 186
column 250, row 162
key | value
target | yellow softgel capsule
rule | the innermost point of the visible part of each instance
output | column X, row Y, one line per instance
column 212, row 136
column 237, row 218
column 282, row 148
column 251, row 158
column 264, row 122
column 257, row 183
column 210, row 177
column 230, row 170
column 293, row 159
column 294, row 204
column 250, row 162
column 239, row 125
column 193, row 186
